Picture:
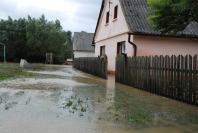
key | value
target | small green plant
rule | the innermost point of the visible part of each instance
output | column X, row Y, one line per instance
column 80, row 101
column 75, row 108
column 77, row 104
column 69, row 104
column 83, row 109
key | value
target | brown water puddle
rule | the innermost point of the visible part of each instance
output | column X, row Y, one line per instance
column 62, row 99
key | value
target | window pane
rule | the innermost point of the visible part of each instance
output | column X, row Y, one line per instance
column 107, row 17
column 118, row 49
column 121, row 48
column 115, row 12
column 102, row 50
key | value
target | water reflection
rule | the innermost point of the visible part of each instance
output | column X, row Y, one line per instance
column 110, row 90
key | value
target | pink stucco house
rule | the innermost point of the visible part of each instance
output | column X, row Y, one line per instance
column 123, row 28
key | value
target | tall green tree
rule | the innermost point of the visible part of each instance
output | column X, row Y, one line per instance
column 32, row 38
column 69, row 45
column 171, row 16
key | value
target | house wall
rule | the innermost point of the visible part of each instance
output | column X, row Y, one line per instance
column 153, row 45
column 110, row 34
column 115, row 31
column 115, row 26
column 111, row 49
column 78, row 54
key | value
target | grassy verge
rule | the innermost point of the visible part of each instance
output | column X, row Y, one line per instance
column 12, row 71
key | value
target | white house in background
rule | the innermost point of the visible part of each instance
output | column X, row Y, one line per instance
column 123, row 28
column 82, row 44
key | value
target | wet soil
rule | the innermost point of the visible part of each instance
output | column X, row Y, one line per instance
column 60, row 99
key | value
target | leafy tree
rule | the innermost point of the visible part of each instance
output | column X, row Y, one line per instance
column 32, row 38
column 69, row 46
column 171, row 16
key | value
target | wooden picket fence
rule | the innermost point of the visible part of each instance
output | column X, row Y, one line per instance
column 93, row 65
column 170, row 76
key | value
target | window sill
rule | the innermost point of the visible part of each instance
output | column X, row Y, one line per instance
column 115, row 19
column 106, row 24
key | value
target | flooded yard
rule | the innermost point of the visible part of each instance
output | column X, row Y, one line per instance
column 60, row 99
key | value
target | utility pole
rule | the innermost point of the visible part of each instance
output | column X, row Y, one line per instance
column 4, row 49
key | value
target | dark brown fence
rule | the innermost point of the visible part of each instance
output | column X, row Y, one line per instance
column 93, row 65
column 175, row 77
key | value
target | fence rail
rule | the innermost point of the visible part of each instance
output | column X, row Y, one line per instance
column 93, row 65
column 170, row 76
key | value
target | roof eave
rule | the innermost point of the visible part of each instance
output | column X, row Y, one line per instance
column 164, row 35
column 98, row 21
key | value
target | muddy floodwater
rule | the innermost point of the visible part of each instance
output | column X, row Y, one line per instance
column 60, row 99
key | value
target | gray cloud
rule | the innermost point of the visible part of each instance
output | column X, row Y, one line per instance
column 75, row 15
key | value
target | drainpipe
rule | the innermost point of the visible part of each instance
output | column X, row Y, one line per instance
column 133, row 44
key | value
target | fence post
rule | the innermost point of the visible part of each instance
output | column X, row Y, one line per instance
column 195, row 80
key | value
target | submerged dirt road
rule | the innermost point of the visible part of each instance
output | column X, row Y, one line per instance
column 64, row 100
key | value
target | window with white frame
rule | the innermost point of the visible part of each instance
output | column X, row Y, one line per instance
column 121, row 48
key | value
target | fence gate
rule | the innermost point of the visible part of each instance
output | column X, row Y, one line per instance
column 49, row 58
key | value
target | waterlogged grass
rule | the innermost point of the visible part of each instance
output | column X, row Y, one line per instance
column 76, row 104
column 128, row 109
column 12, row 71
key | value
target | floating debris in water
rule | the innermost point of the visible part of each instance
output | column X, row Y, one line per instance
column 28, row 101
column 10, row 105
column 1, row 100
column 81, row 114
column 99, row 100
column 20, row 93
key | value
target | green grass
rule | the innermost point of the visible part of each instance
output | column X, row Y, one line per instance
column 12, row 71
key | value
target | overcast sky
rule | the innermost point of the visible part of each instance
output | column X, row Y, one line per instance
column 75, row 15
